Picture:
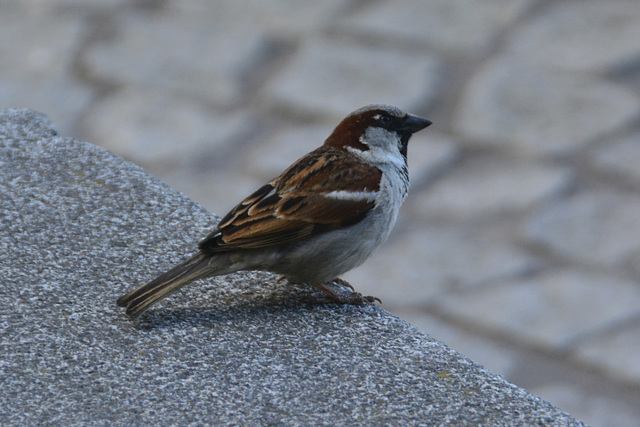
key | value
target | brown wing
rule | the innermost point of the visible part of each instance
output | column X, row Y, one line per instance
column 298, row 205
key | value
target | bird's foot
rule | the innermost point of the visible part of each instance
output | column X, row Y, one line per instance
column 331, row 296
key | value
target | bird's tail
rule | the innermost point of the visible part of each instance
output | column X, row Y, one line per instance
column 138, row 300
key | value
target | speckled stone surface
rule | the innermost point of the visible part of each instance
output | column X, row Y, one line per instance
column 79, row 226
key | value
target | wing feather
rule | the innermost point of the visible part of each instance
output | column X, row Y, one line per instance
column 299, row 205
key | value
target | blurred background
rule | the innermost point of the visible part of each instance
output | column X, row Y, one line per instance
column 519, row 245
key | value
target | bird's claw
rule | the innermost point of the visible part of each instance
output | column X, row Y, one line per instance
column 352, row 298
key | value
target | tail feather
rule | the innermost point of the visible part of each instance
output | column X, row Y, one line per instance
column 140, row 299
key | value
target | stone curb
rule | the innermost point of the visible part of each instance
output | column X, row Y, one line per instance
column 80, row 226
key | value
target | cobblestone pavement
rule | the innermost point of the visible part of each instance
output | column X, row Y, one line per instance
column 519, row 245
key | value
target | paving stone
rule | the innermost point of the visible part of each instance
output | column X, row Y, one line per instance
column 552, row 311
column 37, row 62
column 490, row 186
column 331, row 76
column 593, row 227
column 296, row 18
column 586, row 35
column 138, row 124
column 615, row 353
column 634, row 265
column 216, row 189
column 269, row 156
column 65, row 99
column 55, row 5
column 427, row 260
column 461, row 27
column 204, row 58
column 41, row 46
column 513, row 105
column 620, row 157
column 430, row 153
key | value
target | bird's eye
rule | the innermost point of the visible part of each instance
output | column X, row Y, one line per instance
column 386, row 120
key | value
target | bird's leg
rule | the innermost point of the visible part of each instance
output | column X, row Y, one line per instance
column 354, row 298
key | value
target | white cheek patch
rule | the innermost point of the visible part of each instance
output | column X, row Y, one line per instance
column 353, row 195
column 384, row 147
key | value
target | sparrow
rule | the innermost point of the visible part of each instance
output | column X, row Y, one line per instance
column 322, row 217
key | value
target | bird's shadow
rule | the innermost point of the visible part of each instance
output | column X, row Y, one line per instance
column 288, row 300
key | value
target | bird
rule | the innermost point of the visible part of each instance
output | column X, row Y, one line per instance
column 323, row 216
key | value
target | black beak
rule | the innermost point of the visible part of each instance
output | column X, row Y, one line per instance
column 413, row 124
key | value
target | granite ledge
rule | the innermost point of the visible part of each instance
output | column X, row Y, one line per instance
column 80, row 226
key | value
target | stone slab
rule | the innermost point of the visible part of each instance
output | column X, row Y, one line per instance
column 79, row 226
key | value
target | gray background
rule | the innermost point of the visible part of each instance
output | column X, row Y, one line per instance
column 519, row 245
